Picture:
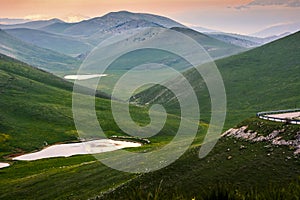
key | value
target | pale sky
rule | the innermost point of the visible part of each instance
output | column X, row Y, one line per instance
column 240, row 16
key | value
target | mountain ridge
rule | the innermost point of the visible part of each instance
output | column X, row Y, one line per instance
column 34, row 55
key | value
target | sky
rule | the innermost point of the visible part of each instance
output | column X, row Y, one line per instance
column 237, row 16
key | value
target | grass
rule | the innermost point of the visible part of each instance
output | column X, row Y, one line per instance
column 223, row 191
column 250, row 173
column 261, row 79
column 228, row 172
column 36, row 107
column 78, row 177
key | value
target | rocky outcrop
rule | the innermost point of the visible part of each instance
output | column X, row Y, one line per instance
column 274, row 138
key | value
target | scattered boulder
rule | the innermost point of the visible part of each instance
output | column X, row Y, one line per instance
column 274, row 138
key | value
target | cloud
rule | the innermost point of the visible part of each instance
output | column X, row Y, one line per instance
column 287, row 3
column 242, row 7
column 36, row 17
column 74, row 17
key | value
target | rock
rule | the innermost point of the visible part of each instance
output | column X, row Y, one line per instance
column 297, row 152
column 273, row 138
column 229, row 157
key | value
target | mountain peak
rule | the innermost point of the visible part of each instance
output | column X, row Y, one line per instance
column 56, row 20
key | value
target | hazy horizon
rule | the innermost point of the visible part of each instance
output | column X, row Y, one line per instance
column 243, row 17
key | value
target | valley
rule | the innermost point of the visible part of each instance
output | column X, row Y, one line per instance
column 46, row 71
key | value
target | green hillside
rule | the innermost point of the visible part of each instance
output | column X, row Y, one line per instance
column 59, row 43
column 214, row 47
column 36, row 56
column 36, row 107
column 265, row 78
column 235, row 169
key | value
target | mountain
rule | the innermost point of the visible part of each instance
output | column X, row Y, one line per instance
column 215, row 48
column 59, row 43
column 238, row 40
column 264, row 78
column 141, row 37
column 113, row 20
column 244, row 40
column 32, row 24
column 36, row 56
column 8, row 21
column 202, row 29
column 277, row 30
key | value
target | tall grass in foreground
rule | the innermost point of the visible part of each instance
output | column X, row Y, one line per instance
column 223, row 191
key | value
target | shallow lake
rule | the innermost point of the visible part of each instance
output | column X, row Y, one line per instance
column 83, row 77
column 66, row 150
column 2, row 165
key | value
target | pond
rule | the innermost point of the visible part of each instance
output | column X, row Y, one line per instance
column 83, row 77
column 80, row 148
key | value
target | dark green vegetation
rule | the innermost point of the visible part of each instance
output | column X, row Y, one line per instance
column 37, row 107
column 36, row 56
column 234, row 169
column 228, row 172
column 219, row 191
column 78, row 177
column 265, row 78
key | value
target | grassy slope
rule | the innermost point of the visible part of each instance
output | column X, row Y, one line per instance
column 36, row 56
column 265, row 78
column 250, row 172
column 59, row 43
column 248, row 167
column 36, row 107
column 214, row 47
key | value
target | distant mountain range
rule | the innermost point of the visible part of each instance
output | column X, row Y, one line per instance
column 8, row 21
column 59, row 47
column 243, row 40
column 63, row 44
column 277, row 30
column 114, row 21
column 55, row 45
column 32, row 24
column 39, row 57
